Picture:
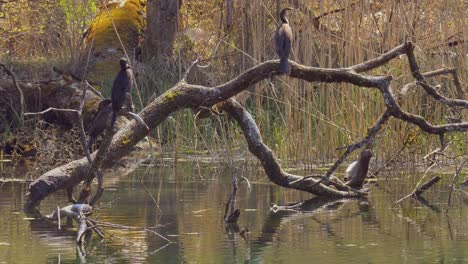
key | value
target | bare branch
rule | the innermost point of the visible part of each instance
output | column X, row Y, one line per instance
column 51, row 109
column 381, row 60
column 271, row 166
column 94, row 90
column 430, row 74
column 428, row 88
column 195, row 62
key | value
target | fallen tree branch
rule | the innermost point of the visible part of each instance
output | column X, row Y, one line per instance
column 427, row 185
column 184, row 95
column 419, row 190
column 269, row 162
column 79, row 213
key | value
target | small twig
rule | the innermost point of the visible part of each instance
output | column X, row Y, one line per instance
column 92, row 225
column 212, row 54
column 338, row 10
column 58, row 217
column 94, row 90
column 195, row 62
column 161, row 248
column 51, row 109
column 275, row 208
column 147, row 229
column 438, row 151
column 156, row 233
column 452, row 186
column 149, row 193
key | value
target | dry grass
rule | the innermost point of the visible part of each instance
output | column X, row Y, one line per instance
column 305, row 122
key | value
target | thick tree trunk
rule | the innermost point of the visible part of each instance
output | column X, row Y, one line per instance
column 162, row 24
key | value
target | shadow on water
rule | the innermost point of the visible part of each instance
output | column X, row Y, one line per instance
column 321, row 230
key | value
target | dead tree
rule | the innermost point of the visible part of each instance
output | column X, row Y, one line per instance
column 184, row 95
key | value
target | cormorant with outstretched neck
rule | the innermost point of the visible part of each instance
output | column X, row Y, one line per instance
column 100, row 121
column 121, row 89
column 283, row 41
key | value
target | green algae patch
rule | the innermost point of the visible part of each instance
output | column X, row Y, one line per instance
column 126, row 140
column 170, row 95
column 129, row 21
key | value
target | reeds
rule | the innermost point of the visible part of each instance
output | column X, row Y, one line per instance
column 303, row 122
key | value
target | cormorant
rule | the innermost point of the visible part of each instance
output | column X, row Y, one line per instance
column 283, row 41
column 121, row 89
column 100, row 120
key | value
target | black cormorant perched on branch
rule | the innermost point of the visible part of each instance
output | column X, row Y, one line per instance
column 283, row 41
column 100, row 121
column 121, row 90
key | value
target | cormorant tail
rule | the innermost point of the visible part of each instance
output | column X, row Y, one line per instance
column 90, row 143
column 114, row 118
column 284, row 66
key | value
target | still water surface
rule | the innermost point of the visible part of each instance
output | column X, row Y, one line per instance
column 192, row 204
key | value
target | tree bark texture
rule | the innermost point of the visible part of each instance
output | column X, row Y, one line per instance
column 162, row 20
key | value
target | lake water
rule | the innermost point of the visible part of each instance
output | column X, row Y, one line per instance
column 192, row 205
